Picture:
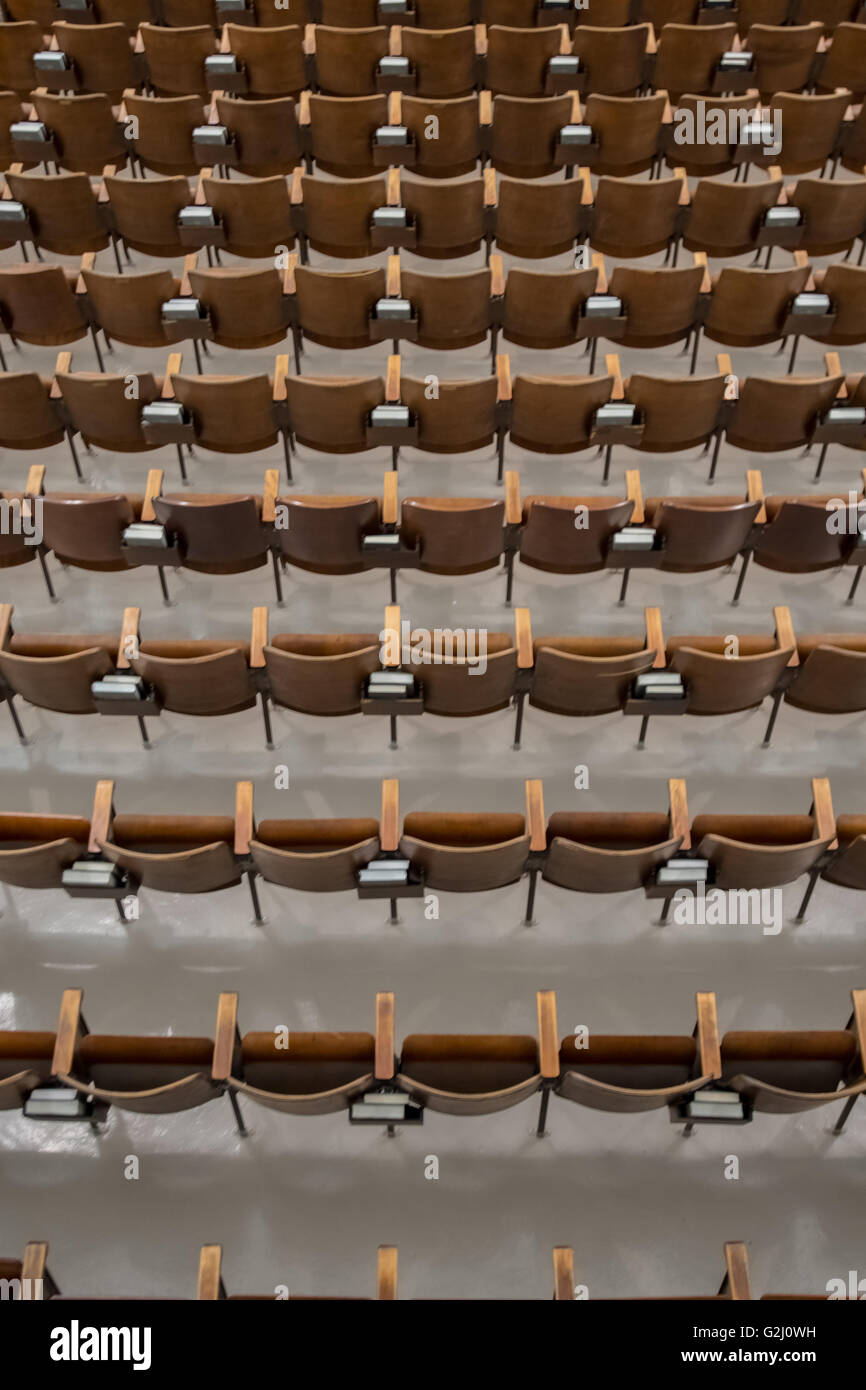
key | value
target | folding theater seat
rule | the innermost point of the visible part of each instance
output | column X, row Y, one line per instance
column 34, row 851
column 613, row 61
column 264, row 136
column 796, row 539
column 685, row 144
column 556, row 415
column 458, row 535
column 128, row 308
column 443, row 61
column 844, row 63
column 325, row 534
column 535, row 221
column 550, row 540
column 517, row 60
column 28, row 415
column 332, row 307
column 725, row 218
column 452, row 218
column 339, row 134
column 777, row 413
column 53, row 671
column 96, row 406
column 460, row 134
column 688, row 56
column 17, row 545
column 99, row 58
column 461, row 675
column 314, row 855
column 629, row 131
column 656, row 307
column 524, row 133
column 85, row 530
column 85, row 131
column 811, row 129
column 834, row 216
column 317, row 673
column 346, row 59
column 676, row 413
column 163, row 139
column 175, row 58
column 232, row 414
column 272, row 61
column 143, row 214
column 465, row 416
column 18, row 43
column 542, row 308
column 62, row 212
column 829, row 677
column 11, row 111
column 634, row 217
column 751, row 307
column 784, row 57
column 254, row 215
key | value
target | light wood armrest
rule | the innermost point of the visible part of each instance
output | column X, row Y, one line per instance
column 651, row 41
column 737, row 1271
column 153, row 488
column 395, row 108
column 785, row 633
column 309, row 43
column 128, row 644
column 564, row 38
column 667, row 114
column 305, row 115
column 513, row 506
column 481, row 40
column 598, row 266
column 678, row 812
column 190, row 263
column 245, row 825
column 635, row 495
column 497, row 277
column 269, row 496
column 87, row 261
column 392, row 188
column 755, row 486
column 289, row 286
column 101, row 816
column 391, row 498
column 612, row 367
column 35, row 485
column 213, row 115
column 258, row 637
column 563, row 1274
column 384, row 1054
column 225, row 40
column 391, row 636
column 389, row 828
column 200, row 199
column 395, row 41
column 296, row 195
column 503, row 377
column 62, row 364
column 858, row 1023
column 70, row 1027
column 34, row 1265
column 386, row 1273
column 392, row 379
column 6, row 610
column 535, row 815
column 707, row 1032
column 523, row 639
column 723, row 364
column 801, row 259
column 392, row 277
column 833, row 367
column 210, row 1283
column 489, row 178
column 822, row 810
column 700, row 259
column 281, row 371
column 773, row 173
column 574, row 116
column 586, row 186
column 685, row 197
column 655, row 637
column 226, row 1037
column 485, row 108
column 548, row 1035
column 172, row 368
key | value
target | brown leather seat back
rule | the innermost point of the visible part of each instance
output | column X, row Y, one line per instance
column 832, row 674
column 633, row 217
column 639, row 1063
column 331, row 413
column 590, row 852
column 341, row 135
column 592, row 676
column 720, row 684
column 321, row 675
column 246, row 306
column 334, row 306
column 662, row 305
column 128, row 307
column 796, row 538
column 552, row 540
column 315, row 856
column 537, row 220
column 101, row 54
column 613, row 58
column 174, row 854
column 467, row 673
column 197, row 677
column 783, row 56
column 469, row 1063
column 554, row 415
column 338, row 215
column 807, row 1061
column 87, row 531
column 39, row 304
column 688, row 55
column 775, row 413
column 628, row 130
column 325, row 534
column 225, row 533
column 465, row 852
column 453, row 311
column 455, row 535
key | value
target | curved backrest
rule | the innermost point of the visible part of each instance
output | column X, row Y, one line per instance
column 797, row 538
column 834, row 215
column 316, row 1074
column 25, row 1063
column 676, row 412
column 35, row 849
column 537, row 220
column 541, row 307
column 63, row 211
column 330, row 413
column 338, row 215
column 786, row 1072
column 346, row 59
column 554, row 415
column 165, row 127
column 27, row 420
column 448, row 214
column 811, row 127
column 688, row 55
column 748, row 307
column 102, row 56
column 524, row 134
column 334, row 306
column 150, row 1076
column 175, row 57
column 321, row 674
column 87, row 531
column 174, row 854
column 466, row 673
column 634, row 218
column 517, row 59
column 846, row 286
column 443, row 59
column 273, row 57
column 721, row 684
column 457, row 148
column 255, row 213
column 831, row 677
column 18, row 43
column 627, row 129
column 553, row 540
column 783, row 56
column 593, row 852
column 220, row 535
column 725, row 217
column 232, row 414
column 342, row 133
column 461, row 418
column 774, row 413
column 145, row 214
column 628, row 1074
column 455, row 535
column 586, row 675
column 51, row 673
column 845, row 63
column 85, row 130
column 127, row 307
column 197, row 677
column 699, row 535
column 265, row 133
column 464, row 852
column 453, row 311
column 757, row 851
column 613, row 58
column 246, row 307
column 662, row 305
column 315, row 856
column 325, row 534
column 101, row 411
column 469, row 1074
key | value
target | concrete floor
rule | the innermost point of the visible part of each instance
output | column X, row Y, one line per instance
column 305, row 1202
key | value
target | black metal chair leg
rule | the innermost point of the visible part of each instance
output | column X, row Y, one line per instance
column 644, row 725
column 392, row 721
column 71, row 442
column 278, row 584
column 592, row 356
column 542, row 1113
column 821, row 457
column 608, row 454
column 715, row 459
column 287, row 455
column 239, row 1119
column 96, row 347
column 852, row 591
column 143, row 730
column 777, row 700
column 741, row 580
column 792, row 359
column 694, row 362
column 257, row 911
column 197, row 350
column 117, row 261
column 183, row 477
column 392, row 576
column 846, row 1111
column 519, row 701
column 46, row 576
column 623, row 586
column 530, row 897
column 393, row 919
column 509, row 575
column 162, row 584
column 120, row 912
column 266, row 716
column 22, row 737
column 810, row 888
column 666, row 907
column 500, row 455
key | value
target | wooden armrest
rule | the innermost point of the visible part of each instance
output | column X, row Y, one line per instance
column 395, row 41
column 210, row 1283
column 513, row 506
column 503, row 377
column 6, row 610
column 70, row 1027
column 574, row 116
column 858, row 1023
column 395, row 108
column 655, row 637
column 485, row 108
column 101, row 816
column 651, row 40
column 785, row 633
column 392, row 379
column 667, row 113
column 127, row 647
column 138, row 42
column 226, row 1037
column 289, row 285
column 523, row 639
column 384, row 1054
column 281, row 371
column 190, row 263
column 611, row 366
column 563, row 1274
column 172, row 368
column 481, row 40
column 269, row 496
column 245, row 825
column 822, row 810
column 200, row 199
column 296, row 195
column 391, row 499
column 497, row 277
column 685, row 197
column 635, row 495
column 305, row 115
column 392, row 277
column 391, row 637
column 102, row 192
column 87, row 261
column 153, row 488
column 707, row 1031
column 35, row 485
column 700, row 259
column 548, row 1035
column 213, row 115
column 225, row 41
column 392, row 188
column 598, row 266
column 386, row 1273
column 678, row 812
column 258, row 637
column 489, row 178
column 309, row 42
column 755, row 492
column 389, row 828
column 535, row 815
column 773, row 173
column 737, row 1270
column 723, row 364
column 863, row 480
column 833, row 367
column 801, row 259
column 34, row 1265
column 586, row 186
column 62, row 363
column 564, row 38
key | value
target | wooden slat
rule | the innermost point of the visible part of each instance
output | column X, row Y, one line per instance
column 391, row 498
column 244, row 821
column 612, row 367
column 563, row 1274
column 513, row 505
column 392, row 379
column 785, row 633
column 523, row 639
column 497, row 277
column 34, row 1266
column 269, row 495
column 386, row 1274
column 503, row 377
column 535, row 815
column 6, row 610
column 392, row 276
column 384, row 1055
column 68, row 1032
column 755, row 492
column 153, row 488
column 679, row 811
column 822, row 809
column 389, row 829
column 391, row 641
column 172, row 368
column 858, row 1023
column 709, row 1047
column 655, row 637
column 635, row 494
column 35, row 485
column 225, row 1037
column 101, row 817
column 485, row 108
column 258, row 637
column 281, row 372
column 548, row 1036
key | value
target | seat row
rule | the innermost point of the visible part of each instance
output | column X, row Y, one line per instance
column 77, row 1075
column 225, row 533
column 455, row 672
column 353, row 137
column 665, row 855
column 29, row 1279
column 516, row 62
